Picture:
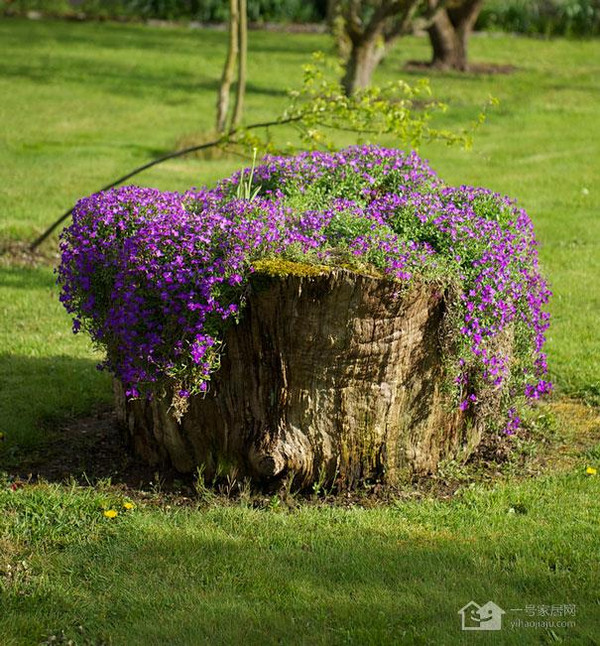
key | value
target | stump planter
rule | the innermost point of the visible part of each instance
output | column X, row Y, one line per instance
column 349, row 315
column 330, row 376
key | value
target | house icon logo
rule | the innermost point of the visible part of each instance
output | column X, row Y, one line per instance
column 476, row 617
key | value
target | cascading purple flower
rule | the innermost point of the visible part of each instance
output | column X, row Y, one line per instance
column 155, row 276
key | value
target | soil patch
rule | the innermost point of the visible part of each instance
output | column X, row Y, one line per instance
column 17, row 253
column 473, row 68
column 91, row 449
column 562, row 435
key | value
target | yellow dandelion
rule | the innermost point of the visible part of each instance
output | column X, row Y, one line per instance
column 128, row 505
column 111, row 513
column 591, row 471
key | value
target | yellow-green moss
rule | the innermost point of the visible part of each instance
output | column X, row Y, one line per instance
column 282, row 267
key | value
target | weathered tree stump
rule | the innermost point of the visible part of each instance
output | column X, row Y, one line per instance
column 329, row 376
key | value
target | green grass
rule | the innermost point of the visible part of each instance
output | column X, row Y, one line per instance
column 46, row 373
column 84, row 103
column 233, row 574
column 75, row 116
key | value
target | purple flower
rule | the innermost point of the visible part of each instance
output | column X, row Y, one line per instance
column 155, row 276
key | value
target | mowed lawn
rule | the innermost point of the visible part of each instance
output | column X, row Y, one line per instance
column 82, row 103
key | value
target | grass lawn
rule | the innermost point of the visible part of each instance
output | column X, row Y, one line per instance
column 84, row 103
column 225, row 575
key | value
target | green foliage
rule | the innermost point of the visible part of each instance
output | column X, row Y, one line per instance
column 245, row 190
column 542, row 17
column 228, row 574
column 286, row 10
column 320, row 111
column 397, row 109
column 198, row 10
column 534, row 17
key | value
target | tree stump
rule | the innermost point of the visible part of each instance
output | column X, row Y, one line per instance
column 330, row 375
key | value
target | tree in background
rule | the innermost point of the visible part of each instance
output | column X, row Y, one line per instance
column 449, row 32
column 367, row 29
column 237, row 53
column 370, row 28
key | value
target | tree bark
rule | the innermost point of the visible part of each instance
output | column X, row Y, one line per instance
column 362, row 62
column 370, row 28
column 449, row 34
column 229, row 68
column 242, row 64
column 335, row 25
column 330, row 377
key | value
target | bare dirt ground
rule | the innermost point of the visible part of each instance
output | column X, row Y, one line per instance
column 479, row 68
column 92, row 449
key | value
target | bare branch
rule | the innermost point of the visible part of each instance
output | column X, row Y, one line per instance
column 225, row 138
column 242, row 63
column 228, row 69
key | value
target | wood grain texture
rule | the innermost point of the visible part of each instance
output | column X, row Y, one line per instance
column 336, row 376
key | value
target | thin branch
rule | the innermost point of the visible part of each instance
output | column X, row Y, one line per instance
column 229, row 68
column 242, row 64
column 178, row 153
column 401, row 27
column 434, row 8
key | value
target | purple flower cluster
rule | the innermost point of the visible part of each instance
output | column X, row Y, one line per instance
column 155, row 276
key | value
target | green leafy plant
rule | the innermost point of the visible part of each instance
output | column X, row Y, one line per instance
column 245, row 190
column 575, row 18
column 320, row 111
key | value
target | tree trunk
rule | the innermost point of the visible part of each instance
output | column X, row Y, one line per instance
column 369, row 29
column 443, row 42
column 329, row 376
column 229, row 68
column 449, row 34
column 242, row 64
column 363, row 59
column 336, row 26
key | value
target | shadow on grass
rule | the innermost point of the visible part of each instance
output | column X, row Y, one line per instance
column 110, row 69
column 232, row 576
column 321, row 590
column 26, row 278
column 123, row 79
column 115, row 77
column 58, row 423
column 37, row 395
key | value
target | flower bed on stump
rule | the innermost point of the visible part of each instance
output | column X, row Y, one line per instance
column 160, row 279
